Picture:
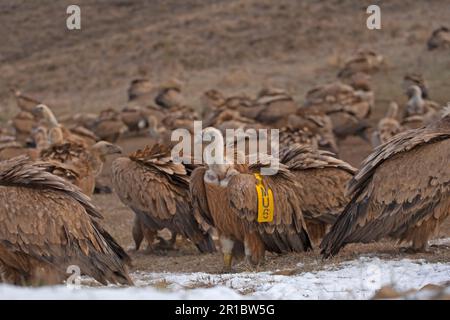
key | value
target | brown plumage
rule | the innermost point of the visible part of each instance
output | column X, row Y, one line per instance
column 346, row 107
column 401, row 191
column 365, row 61
column 276, row 105
column 23, row 123
column 315, row 122
column 48, row 225
column 139, row 88
column 288, row 136
column 25, row 103
column 44, row 113
column 109, row 125
column 387, row 127
column 169, row 95
column 83, row 164
column 135, row 118
column 322, row 181
column 157, row 190
column 224, row 196
column 211, row 100
column 440, row 38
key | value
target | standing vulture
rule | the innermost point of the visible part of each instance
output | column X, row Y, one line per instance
column 224, row 195
column 157, row 190
column 402, row 191
column 322, row 181
column 47, row 225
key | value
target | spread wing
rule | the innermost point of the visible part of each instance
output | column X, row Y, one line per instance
column 287, row 231
column 403, row 183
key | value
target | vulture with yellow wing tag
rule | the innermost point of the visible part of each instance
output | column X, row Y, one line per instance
column 225, row 195
column 157, row 190
column 401, row 192
column 322, row 181
column 47, row 225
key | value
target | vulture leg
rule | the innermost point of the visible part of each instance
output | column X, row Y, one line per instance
column 254, row 250
column 164, row 244
column 138, row 233
column 227, row 245
column 150, row 236
column 316, row 231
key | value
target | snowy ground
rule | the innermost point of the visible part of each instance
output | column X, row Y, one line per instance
column 357, row 279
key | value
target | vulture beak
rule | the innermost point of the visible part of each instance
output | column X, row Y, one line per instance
column 116, row 149
column 37, row 110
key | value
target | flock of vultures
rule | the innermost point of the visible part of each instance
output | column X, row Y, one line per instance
column 49, row 168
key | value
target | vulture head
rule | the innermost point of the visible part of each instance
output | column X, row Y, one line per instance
column 42, row 111
column 414, row 91
column 104, row 148
column 220, row 166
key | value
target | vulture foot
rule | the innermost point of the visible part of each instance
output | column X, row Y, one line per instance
column 411, row 250
column 437, row 247
column 166, row 245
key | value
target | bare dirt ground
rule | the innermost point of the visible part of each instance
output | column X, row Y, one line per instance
column 235, row 46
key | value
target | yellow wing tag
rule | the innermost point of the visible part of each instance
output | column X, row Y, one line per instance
column 265, row 201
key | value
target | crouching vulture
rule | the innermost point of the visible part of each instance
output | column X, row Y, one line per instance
column 225, row 196
column 47, row 225
column 157, row 190
column 402, row 191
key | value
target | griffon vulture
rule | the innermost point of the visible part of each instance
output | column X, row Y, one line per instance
column 440, row 38
column 401, row 192
column 322, row 181
column 157, row 190
column 416, row 105
column 47, row 225
column 315, row 122
column 85, row 163
column 225, row 196
column 411, row 79
column 365, row 61
column 387, row 127
column 109, row 125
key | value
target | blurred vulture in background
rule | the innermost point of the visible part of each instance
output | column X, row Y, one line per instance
column 347, row 108
column 401, row 192
column 322, row 181
column 440, row 38
column 364, row 61
column 317, row 123
column 157, row 190
column 416, row 105
column 49, row 225
column 387, row 127
column 415, row 79
column 109, row 125
column 24, row 121
column 224, row 195
column 82, row 164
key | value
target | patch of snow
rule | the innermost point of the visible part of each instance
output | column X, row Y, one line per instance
column 356, row 279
